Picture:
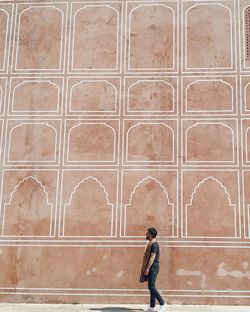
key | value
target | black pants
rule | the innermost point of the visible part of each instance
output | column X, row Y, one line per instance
column 153, row 272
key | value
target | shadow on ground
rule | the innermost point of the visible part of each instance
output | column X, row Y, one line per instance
column 115, row 309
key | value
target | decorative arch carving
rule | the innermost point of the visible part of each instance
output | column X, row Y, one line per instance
column 28, row 212
column 88, row 212
column 149, row 205
column 210, row 201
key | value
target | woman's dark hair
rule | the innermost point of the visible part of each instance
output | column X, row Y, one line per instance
column 153, row 232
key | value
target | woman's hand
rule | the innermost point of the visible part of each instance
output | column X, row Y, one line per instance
column 146, row 272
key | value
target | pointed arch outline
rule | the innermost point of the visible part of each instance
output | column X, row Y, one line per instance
column 82, row 181
column 150, row 123
column 162, row 187
column 50, row 204
column 231, row 205
column 68, row 204
column 150, row 111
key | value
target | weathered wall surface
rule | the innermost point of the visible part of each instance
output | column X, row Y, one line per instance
column 116, row 116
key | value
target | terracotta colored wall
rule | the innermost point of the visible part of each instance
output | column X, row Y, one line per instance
column 116, row 116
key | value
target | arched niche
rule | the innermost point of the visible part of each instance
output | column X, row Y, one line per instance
column 40, row 38
column 95, row 37
column 32, row 142
column 28, row 212
column 91, row 142
column 93, row 96
column 211, row 142
column 209, row 96
column 151, row 37
column 151, row 96
column 211, row 212
column 150, row 142
column 208, row 38
column 88, row 212
column 35, row 96
column 149, row 206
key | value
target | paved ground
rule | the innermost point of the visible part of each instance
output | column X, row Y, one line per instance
column 112, row 308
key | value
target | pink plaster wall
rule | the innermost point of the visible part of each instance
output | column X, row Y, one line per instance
column 116, row 116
